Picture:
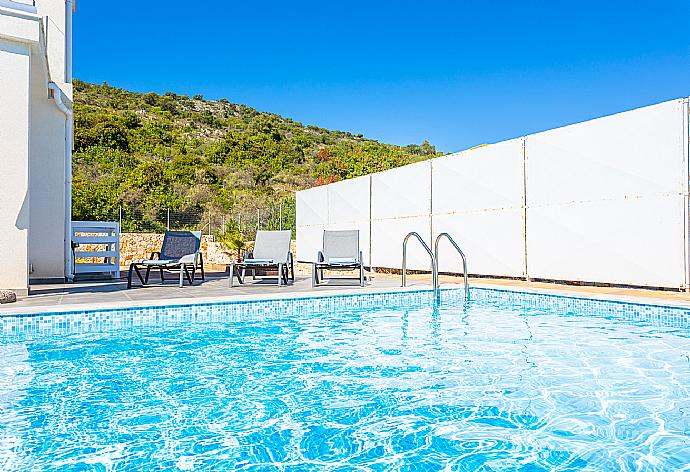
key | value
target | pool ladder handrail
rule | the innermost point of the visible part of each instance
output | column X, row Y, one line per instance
column 434, row 267
column 462, row 254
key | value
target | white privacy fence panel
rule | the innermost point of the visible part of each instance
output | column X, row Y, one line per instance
column 349, row 205
column 349, row 201
column 600, row 201
column 631, row 154
column 492, row 241
column 312, row 207
column 342, row 205
column 637, row 241
column 312, row 219
column 387, row 239
column 478, row 198
column 309, row 242
column 605, row 199
column 401, row 203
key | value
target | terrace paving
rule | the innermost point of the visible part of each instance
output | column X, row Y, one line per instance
column 114, row 293
column 107, row 294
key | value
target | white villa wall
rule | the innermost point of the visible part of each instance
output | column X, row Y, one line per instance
column 53, row 14
column 15, row 73
column 55, row 45
column 33, row 57
column 600, row 201
column 47, row 177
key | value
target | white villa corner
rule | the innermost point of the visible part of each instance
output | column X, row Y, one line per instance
column 36, row 128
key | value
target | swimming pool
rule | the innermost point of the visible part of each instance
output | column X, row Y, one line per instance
column 509, row 381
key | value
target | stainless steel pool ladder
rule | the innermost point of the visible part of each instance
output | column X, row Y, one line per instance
column 462, row 254
column 434, row 267
column 434, row 259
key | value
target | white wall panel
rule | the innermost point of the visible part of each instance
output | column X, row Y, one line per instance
column 312, row 207
column 488, row 177
column 401, row 203
column 639, row 152
column 604, row 199
column 387, row 238
column 309, row 242
column 349, row 208
column 339, row 206
column 348, row 201
column 637, row 241
column 312, row 219
column 477, row 199
column 491, row 240
column 401, row 192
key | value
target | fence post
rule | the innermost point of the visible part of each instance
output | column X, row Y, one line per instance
column 120, row 212
column 168, row 220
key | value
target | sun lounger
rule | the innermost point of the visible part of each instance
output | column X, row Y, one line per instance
column 271, row 252
column 340, row 253
column 180, row 251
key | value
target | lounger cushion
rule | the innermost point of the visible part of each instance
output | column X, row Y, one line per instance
column 273, row 246
column 258, row 261
column 342, row 260
column 155, row 262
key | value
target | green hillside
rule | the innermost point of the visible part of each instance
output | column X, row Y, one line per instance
column 139, row 155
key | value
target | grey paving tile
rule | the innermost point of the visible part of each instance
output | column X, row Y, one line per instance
column 215, row 285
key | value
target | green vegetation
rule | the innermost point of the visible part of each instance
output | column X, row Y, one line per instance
column 138, row 155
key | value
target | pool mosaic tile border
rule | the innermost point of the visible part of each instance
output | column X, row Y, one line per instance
column 658, row 315
column 88, row 321
column 104, row 320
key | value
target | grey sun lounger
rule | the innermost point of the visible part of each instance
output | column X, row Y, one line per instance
column 340, row 253
column 180, row 251
column 271, row 251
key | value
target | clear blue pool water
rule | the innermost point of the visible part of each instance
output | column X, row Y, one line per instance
column 484, row 386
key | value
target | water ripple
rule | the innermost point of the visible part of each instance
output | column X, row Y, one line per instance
column 482, row 387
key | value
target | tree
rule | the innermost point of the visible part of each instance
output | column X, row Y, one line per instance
column 151, row 98
column 231, row 238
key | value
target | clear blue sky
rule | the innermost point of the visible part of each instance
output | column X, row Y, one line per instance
column 458, row 73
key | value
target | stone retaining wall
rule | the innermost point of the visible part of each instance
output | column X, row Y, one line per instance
column 138, row 246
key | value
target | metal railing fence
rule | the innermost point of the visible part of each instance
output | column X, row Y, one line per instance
column 243, row 222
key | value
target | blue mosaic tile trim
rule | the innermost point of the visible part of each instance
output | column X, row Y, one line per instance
column 658, row 315
column 88, row 321
column 93, row 321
